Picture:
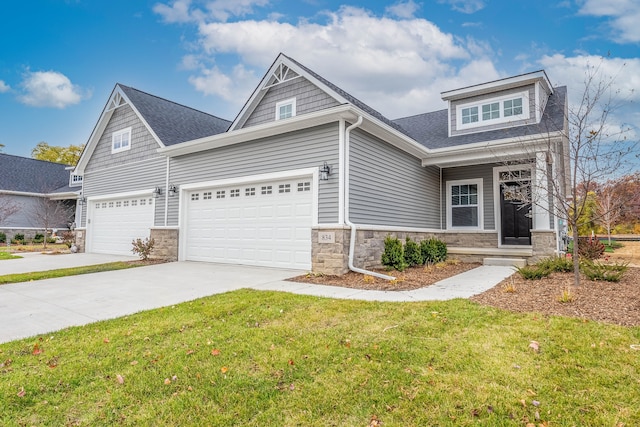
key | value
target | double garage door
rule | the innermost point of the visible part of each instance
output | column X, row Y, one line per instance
column 265, row 224
column 115, row 223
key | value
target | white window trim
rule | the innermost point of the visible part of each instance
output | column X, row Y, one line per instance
column 117, row 134
column 502, row 119
column 292, row 102
column 75, row 180
column 479, row 183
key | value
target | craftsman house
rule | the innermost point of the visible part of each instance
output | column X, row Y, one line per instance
column 305, row 167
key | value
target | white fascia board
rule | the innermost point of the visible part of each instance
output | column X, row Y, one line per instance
column 496, row 85
column 483, row 152
column 22, row 193
column 260, row 131
column 64, row 196
column 136, row 193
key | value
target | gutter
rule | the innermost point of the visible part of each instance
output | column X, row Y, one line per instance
column 352, row 240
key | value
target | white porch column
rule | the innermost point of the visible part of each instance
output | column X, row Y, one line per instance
column 540, row 194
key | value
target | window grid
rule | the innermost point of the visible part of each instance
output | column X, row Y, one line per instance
column 220, row 194
column 469, row 115
column 110, row 204
column 491, row 111
column 250, row 191
column 143, row 202
column 234, row 192
column 513, row 107
column 206, row 195
column 125, row 203
column 304, row 186
column 267, row 189
column 195, row 196
column 118, row 204
column 284, row 188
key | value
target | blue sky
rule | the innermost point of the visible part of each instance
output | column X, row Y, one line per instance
column 60, row 59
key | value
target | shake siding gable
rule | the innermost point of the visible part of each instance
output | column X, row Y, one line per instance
column 479, row 99
column 136, row 176
column 143, row 145
column 294, row 150
column 390, row 187
column 472, row 172
column 309, row 98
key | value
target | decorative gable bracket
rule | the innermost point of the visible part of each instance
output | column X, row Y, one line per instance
column 281, row 74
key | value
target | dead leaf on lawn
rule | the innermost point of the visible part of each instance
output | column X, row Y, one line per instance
column 120, row 379
column 535, row 346
column 224, row 369
column 167, row 381
column 21, row 393
column 36, row 349
column 215, row 352
column 375, row 422
column 106, row 340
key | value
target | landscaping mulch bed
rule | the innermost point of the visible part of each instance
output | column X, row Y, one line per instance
column 617, row 303
column 411, row 278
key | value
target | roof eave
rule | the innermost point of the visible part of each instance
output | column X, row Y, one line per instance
column 489, row 87
column 490, row 151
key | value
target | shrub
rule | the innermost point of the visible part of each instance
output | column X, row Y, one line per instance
column 557, row 264
column 533, row 272
column 19, row 237
column 68, row 238
column 143, row 248
column 590, row 248
column 3, row 237
column 606, row 272
column 433, row 250
column 393, row 255
column 412, row 253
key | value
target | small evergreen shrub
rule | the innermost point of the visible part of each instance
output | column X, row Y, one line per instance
column 3, row 237
column 393, row 255
column 143, row 248
column 433, row 250
column 590, row 248
column 533, row 272
column 18, row 237
column 606, row 272
column 412, row 253
column 38, row 238
column 557, row 264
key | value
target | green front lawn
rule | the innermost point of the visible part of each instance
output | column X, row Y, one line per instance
column 63, row 272
column 270, row 359
column 7, row 255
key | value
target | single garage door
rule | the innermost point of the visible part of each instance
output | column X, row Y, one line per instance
column 115, row 223
column 265, row 224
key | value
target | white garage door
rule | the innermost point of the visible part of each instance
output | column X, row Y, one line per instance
column 266, row 224
column 115, row 223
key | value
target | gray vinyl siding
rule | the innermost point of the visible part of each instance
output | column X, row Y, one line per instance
column 390, row 187
column 472, row 172
column 482, row 98
column 309, row 98
column 295, row 150
column 143, row 145
column 137, row 176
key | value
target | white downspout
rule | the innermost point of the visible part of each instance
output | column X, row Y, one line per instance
column 352, row 240
column 166, row 195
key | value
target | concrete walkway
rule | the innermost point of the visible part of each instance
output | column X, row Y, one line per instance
column 32, row 308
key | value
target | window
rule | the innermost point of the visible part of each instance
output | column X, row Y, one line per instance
column 134, row 203
column 491, row 111
column 304, row 186
column 286, row 109
column 143, row 202
column 513, row 107
column 266, row 189
column 118, row 204
column 195, row 196
column 498, row 110
column 75, row 180
column 220, row 194
column 469, row 115
column 234, row 193
column 206, row 195
column 125, row 203
column 284, row 188
column 464, row 204
column 110, row 204
column 251, row 191
column 121, row 140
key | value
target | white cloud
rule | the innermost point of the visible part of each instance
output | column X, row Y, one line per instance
column 624, row 17
column 183, row 11
column 49, row 89
column 4, row 87
column 411, row 60
column 404, row 10
column 465, row 6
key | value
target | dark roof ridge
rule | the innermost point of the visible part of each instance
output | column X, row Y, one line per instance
column 170, row 101
column 35, row 160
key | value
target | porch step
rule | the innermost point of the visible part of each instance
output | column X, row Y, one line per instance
column 507, row 262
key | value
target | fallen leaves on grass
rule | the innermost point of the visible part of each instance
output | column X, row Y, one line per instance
column 36, row 349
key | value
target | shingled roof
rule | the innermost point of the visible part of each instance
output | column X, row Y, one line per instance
column 431, row 129
column 25, row 175
column 174, row 123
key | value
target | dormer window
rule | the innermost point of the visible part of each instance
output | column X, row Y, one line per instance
column 493, row 111
column 75, row 180
column 286, row 109
column 121, row 140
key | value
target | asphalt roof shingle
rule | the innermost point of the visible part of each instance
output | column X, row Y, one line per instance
column 27, row 175
column 174, row 123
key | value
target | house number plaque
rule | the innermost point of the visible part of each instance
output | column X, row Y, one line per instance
column 326, row 237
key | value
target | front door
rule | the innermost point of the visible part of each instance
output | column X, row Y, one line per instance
column 516, row 218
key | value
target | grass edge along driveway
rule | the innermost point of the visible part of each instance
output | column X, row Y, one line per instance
column 265, row 358
column 63, row 272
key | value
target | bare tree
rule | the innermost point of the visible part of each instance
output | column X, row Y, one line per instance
column 609, row 203
column 50, row 214
column 7, row 208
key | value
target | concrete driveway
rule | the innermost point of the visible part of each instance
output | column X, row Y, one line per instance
column 39, row 307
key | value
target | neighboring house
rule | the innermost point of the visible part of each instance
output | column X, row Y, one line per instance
column 24, row 182
column 305, row 166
